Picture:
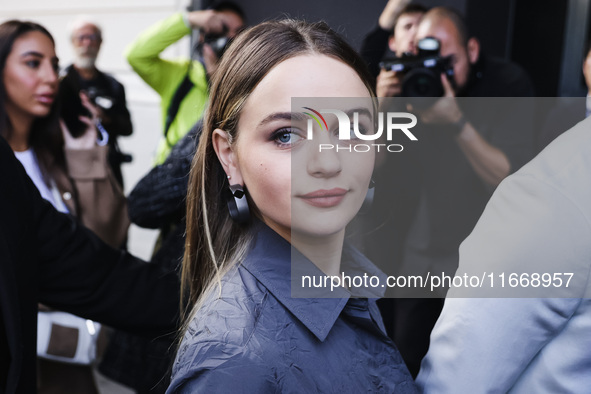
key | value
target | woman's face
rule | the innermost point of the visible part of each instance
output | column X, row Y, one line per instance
column 295, row 187
column 30, row 76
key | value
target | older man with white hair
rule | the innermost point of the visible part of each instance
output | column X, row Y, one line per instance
column 103, row 90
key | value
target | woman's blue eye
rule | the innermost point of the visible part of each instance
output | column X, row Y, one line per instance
column 284, row 138
column 352, row 134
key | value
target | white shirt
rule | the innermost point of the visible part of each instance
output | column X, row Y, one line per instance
column 51, row 193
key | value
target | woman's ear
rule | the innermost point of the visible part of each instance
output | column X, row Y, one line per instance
column 227, row 156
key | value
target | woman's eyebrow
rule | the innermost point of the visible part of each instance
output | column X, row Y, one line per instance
column 283, row 116
column 39, row 55
column 32, row 53
column 299, row 116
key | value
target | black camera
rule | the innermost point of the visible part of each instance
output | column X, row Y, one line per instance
column 217, row 42
column 72, row 108
column 99, row 98
column 421, row 72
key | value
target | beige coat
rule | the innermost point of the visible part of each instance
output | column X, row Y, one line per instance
column 92, row 194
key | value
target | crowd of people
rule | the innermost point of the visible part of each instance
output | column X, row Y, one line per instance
column 247, row 203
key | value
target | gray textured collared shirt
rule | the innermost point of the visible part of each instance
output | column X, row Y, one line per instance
column 257, row 338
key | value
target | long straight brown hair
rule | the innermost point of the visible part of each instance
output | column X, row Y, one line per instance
column 214, row 243
column 45, row 136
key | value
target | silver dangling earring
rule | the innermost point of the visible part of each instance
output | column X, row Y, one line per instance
column 238, row 205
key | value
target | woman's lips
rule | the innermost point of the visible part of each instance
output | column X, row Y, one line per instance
column 324, row 198
column 46, row 98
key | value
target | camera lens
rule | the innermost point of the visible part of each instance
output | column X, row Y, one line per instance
column 422, row 83
column 421, row 86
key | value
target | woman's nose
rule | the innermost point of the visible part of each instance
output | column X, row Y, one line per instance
column 323, row 162
column 50, row 74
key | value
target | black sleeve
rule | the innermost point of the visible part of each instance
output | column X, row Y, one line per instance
column 514, row 130
column 119, row 122
column 160, row 195
column 82, row 275
column 503, row 108
column 71, row 269
column 374, row 47
column 519, row 81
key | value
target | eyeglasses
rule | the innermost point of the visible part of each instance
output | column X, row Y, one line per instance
column 89, row 37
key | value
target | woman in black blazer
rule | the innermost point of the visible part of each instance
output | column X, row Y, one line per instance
column 47, row 257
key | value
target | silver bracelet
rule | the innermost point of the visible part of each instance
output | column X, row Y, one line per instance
column 103, row 138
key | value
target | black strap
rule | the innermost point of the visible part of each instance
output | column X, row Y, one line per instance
column 175, row 103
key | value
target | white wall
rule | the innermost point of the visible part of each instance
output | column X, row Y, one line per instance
column 121, row 21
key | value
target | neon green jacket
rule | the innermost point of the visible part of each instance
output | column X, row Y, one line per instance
column 164, row 76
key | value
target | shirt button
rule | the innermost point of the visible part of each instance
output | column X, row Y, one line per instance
column 67, row 196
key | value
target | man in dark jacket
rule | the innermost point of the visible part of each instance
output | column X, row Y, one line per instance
column 468, row 142
column 47, row 257
column 104, row 91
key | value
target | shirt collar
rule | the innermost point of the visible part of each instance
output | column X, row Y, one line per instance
column 270, row 262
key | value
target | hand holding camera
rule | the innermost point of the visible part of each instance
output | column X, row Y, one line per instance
column 391, row 12
column 73, row 108
column 426, row 79
column 214, row 38
column 421, row 73
column 389, row 84
column 209, row 21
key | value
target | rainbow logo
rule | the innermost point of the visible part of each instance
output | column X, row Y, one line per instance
column 315, row 118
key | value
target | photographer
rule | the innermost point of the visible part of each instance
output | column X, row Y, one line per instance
column 183, row 83
column 466, row 148
column 395, row 31
column 104, row 91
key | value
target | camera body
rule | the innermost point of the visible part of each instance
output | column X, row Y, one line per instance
column 72, row 108
column 217, row 42
column 421, row 72
column 99, row 98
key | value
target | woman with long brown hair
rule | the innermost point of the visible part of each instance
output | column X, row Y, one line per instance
column 61, row 166
column 71, row 173
column 263, row 196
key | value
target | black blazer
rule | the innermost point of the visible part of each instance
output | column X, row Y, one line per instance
column 47, row 257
